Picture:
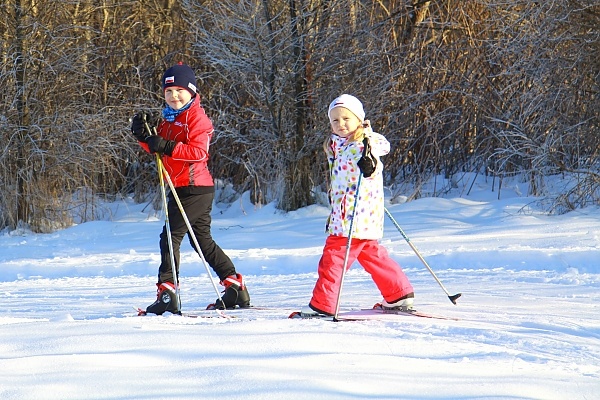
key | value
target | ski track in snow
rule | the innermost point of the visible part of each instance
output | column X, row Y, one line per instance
column 528, row 322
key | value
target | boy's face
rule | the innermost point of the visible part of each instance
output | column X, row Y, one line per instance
column 343, row 122
column 177, row 97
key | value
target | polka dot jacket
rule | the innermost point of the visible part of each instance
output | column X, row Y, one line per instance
column 343, row 156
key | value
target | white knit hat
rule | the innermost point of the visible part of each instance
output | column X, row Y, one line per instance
column 349, row 102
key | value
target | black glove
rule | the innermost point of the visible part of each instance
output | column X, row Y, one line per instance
column 139, row 122
column 367, row 162
column 138, row 127
column 157, row 144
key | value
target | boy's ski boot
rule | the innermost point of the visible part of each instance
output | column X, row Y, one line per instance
column 166, row 300
column 404, row 303
column 235, row 294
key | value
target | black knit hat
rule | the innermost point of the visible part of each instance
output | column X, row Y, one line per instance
column 180, row 75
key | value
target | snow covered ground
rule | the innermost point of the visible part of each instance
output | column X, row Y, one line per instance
column 528, row 322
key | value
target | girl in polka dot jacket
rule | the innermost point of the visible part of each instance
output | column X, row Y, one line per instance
column 347, row 159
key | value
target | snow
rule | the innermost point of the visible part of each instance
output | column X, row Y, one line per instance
column 527, row 325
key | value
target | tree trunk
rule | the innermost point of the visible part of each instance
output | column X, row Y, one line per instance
column 22, row 116
column 297, row 191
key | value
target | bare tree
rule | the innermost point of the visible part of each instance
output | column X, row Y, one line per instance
column 505, row 87
column 65, row 140
column 548, row 89
column 256, row 85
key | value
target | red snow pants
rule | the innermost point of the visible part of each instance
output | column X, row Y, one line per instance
column 373, row 257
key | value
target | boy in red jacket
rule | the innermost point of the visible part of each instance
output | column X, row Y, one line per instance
column 183, row 140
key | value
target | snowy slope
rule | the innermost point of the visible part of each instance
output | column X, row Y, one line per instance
column 528, row 322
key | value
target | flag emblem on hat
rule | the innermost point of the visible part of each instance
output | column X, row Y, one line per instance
column 169, row 79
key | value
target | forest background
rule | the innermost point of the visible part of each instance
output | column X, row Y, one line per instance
column 506, row 88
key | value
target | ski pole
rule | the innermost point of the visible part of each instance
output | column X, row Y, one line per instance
column 452, row 298
column 347, row 255
column 167, row 225
column 166, row 176
column 168, row 229
column 190, row 230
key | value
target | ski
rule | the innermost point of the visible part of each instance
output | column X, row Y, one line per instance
column 231, row 313
column 211, row 307
column 343, row 316
column 375, row 313
column 213, row 314
column 378, row 308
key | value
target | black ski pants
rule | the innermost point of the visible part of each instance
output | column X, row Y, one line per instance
column 197, row 207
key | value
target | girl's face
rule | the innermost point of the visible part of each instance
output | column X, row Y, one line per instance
column 177, row 97
column 343, row 122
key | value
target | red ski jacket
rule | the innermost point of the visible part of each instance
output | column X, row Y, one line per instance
column 192, row 130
